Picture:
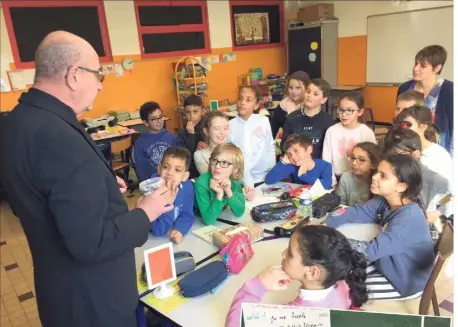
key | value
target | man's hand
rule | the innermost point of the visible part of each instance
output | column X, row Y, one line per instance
column 122, row 184
column 156, row 203
column 191, row 127
column 176, row 236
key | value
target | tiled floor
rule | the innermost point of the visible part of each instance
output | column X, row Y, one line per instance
column 18, row 307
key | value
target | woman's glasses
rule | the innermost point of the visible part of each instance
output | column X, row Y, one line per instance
column 359, row 160
column 223, row 164
column 345, row 111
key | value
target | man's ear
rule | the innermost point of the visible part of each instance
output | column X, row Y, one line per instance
column 72, row 78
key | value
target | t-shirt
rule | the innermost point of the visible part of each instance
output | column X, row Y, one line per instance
column 437, row 159
column 352, row 190
column 202, row 160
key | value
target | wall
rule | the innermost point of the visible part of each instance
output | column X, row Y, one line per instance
column 152, row 79
column 352, row 44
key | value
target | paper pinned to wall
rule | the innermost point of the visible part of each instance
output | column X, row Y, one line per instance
column 5, row 84
column 215, row 59
column 264, row 315
column 4, row 64
column 29, row 76
column 17, row 81
column 119, row 70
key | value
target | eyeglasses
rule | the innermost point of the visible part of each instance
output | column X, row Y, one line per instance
column 98, row 73
column 223, row 164
column 347, row 111
column 154, row 120
column 359, row 160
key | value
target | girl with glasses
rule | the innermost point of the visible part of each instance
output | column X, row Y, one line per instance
column 342, row 137
column 222, row 185
column 354, row 185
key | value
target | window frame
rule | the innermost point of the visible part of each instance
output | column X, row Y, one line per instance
column 204, row 27
column 7, row 4
column 280, row 3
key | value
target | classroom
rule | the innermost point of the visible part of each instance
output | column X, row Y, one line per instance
column 226, row 163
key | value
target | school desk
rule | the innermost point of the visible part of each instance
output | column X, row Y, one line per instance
column 210, row 310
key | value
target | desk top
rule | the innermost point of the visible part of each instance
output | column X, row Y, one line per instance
column 211, row 309
column 111, row 134
column 347, row 87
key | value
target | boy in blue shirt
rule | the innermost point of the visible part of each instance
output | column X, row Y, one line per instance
column 174, row 170
column 150, row 147
column 297, row 164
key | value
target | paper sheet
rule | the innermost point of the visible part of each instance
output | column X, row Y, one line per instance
column 168, row 304
column 265, row 315
column 5, row 84
column 4, row 64
column 119, row 70
column 29, row 76
column 215, row 59
column 17, row 81
column 317, row 189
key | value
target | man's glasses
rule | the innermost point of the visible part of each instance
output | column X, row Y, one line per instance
column 345, row 111
column 98, row 73
column 155, row 120
column 359, row 160
column 223, row 164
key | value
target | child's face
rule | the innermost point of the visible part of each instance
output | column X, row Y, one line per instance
column 155, row 121
column 173, row 169
column 247, row 102
column 360, row 162
column 193, row 114
column 349, row 112
column 298, row 155
column 401, row 105
column 296, row 90
column 385, row 183
column 219, row 131
column 221, row 167
column 314, row 97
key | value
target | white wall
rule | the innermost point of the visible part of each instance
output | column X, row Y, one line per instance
column 352, row 15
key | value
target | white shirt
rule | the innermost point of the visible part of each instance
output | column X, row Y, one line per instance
column 202, row 160
column 437, row 159
column 254, row 138
column 340, row 141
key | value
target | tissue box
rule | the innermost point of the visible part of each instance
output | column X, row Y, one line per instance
column 224, row 236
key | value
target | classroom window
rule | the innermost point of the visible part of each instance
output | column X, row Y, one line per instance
column 28, row 22
column 256, row 24
column 172, row 28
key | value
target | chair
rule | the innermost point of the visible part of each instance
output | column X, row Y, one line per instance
column 369, row 117
column 123, row 148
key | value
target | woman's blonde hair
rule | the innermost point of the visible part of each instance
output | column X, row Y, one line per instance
column 233, row 154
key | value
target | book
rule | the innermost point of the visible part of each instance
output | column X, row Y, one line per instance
column 205, row 233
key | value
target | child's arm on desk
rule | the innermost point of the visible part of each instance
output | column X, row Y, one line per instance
column 163, row 223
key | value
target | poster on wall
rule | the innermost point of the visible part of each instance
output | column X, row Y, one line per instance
column 251, row 28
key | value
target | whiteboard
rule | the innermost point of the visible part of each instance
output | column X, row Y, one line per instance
column 394, row 39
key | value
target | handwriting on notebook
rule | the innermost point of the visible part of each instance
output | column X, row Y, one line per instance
column 263, row 315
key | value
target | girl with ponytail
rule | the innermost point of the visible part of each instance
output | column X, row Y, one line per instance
column 332, row 274
column 420, row 120
column 402, row 256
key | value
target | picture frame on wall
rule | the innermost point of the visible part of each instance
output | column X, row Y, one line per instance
column 251, row 28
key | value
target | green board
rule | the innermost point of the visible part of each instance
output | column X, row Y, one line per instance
column 371, row 319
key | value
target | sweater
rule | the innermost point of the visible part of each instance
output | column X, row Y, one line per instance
column 202, row 160
column 181, row 217
column 314, row 127
column 443, row 112
column 190, row 141
column 352, row 190
column 334, row 297
column 210, row 207
column 254, row 138
column 149, row 150
column 403, row 251
column 339, row 142
column 277, row 120
column 321, row 171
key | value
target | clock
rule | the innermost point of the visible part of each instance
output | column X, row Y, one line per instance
column 128, row 64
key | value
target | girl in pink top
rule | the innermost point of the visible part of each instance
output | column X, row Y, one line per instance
column 332, row 274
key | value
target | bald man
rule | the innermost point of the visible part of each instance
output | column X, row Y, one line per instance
column 80, row 231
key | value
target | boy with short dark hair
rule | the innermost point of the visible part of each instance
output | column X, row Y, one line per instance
column 297, row 164
column 174, row 170
column 190, row 136
column 311, row 120
column 408, row 99
column 150, row 147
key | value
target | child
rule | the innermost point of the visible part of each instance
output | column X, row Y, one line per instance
column 190, row 136
column 321, row 258
column 354, row 185
column 150, row 147
column 222, row 185
column 435, row 187
column 299, row 165
column 402, row 255
column 408, row 99
column 342, row 137
column 174, row 170
column 252, row 134
column 296, row 85
column 215, row 127
column 311, row 120
column 436, row 158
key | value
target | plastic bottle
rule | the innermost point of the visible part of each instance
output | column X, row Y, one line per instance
column 305, row 208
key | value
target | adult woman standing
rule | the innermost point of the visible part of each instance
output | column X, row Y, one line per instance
column 438, row 92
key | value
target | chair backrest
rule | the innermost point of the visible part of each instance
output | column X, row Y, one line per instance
column 121, row 145
column 444, row 249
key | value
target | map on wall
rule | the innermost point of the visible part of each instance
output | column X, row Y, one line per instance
column 251, row 28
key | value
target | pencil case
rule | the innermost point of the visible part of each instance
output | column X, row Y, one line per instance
column 273, row 211
column 203, row 280
column 237, row 253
